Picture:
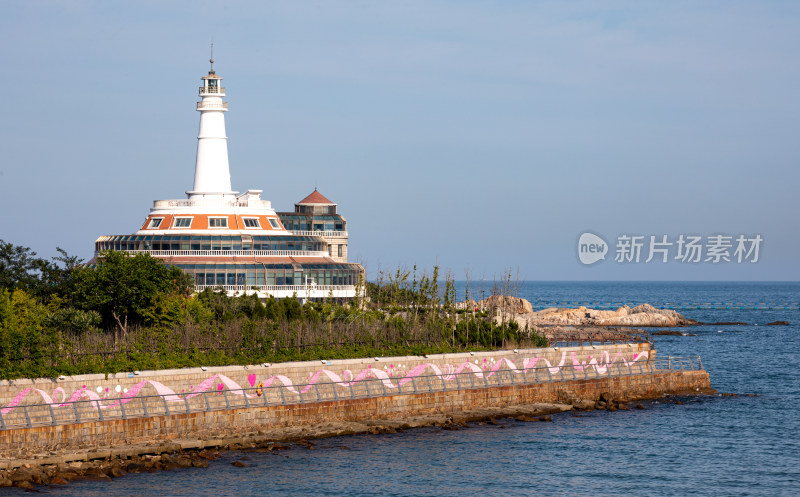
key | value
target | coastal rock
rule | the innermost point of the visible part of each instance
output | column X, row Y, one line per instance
column 644, row 315
column 468, row 304
column 778, row 323
column 510, row 305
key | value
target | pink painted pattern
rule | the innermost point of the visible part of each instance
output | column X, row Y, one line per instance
column 219, row 382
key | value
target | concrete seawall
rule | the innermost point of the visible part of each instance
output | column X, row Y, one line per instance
column 42, row 390
column 215, row 428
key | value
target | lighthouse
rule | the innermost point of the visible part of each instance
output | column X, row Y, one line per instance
column 212, row 174
column 237, row 242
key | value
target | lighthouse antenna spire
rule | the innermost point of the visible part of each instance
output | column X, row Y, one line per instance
column 212, row 58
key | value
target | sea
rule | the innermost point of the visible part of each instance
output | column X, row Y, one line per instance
column 747, row 444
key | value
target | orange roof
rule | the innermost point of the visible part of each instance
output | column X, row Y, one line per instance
column 315, row 198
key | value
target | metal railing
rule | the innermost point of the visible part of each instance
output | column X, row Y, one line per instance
column 315, row 289
column 211, row 89
column 212, row 105
column 329, row 234
column 26, row 416
column 228, row 253
column 203, row 202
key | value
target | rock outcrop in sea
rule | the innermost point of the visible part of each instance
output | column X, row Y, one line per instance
column 521, row 311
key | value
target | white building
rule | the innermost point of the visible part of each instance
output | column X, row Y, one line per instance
column 235, row 241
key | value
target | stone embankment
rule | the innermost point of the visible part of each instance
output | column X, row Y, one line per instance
column 63, row 446
column 108, row 462
column 521, row 311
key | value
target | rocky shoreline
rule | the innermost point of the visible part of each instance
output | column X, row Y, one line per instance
column 521, row 311
column 107, row 463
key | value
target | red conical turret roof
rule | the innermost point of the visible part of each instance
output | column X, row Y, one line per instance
column 316, row 198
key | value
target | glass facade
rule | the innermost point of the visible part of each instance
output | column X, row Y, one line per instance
column 210, row 242
column 294, row 221
column 242, row 274
column 249, row 275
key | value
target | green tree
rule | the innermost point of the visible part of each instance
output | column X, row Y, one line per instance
column 123, row 288
column 24, row 342
column 19, row 266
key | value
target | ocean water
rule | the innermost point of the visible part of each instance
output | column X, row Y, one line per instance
column 710, row 445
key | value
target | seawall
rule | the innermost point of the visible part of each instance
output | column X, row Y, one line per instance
column 82, row 418
column 215, row 428
column 128, row 385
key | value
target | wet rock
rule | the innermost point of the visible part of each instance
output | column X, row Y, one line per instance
column 96, row 473
column 116, row 472
column 183, row 461
column 639, row 406
column 778, row 323
column 134, row 467
column 606, row 397
column 5, row 482
column 200, row 463
column 668, row 333
column 239, row 464
column 57, row 480
column 24, row 484
column 208, row 455
column 546, row 419
column 34, row 475
column 583, row 405
column 680, row 403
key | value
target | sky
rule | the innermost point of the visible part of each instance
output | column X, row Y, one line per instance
column 483, row 137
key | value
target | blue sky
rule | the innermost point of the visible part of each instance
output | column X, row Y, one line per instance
column 480, row 136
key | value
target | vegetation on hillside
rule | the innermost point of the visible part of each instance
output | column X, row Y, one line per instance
column 134, row 312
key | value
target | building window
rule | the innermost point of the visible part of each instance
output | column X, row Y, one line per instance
column 274, row 224
column 251, row 222
column 340, row 250
column 183, row 222
column 218, row 222
column 155, row 223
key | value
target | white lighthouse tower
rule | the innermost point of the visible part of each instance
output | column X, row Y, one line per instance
column 237, row 242
column 212, row 175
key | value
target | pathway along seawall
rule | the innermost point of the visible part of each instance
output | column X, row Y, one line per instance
column 304, row 400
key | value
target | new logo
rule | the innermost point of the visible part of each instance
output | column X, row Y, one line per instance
column 591, row 248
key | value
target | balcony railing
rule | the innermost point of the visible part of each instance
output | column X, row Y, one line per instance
column 241, row 202
column 212, row 105
column 328, row 234
column 230, row 253
column 312, row 289
column 212, row 89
